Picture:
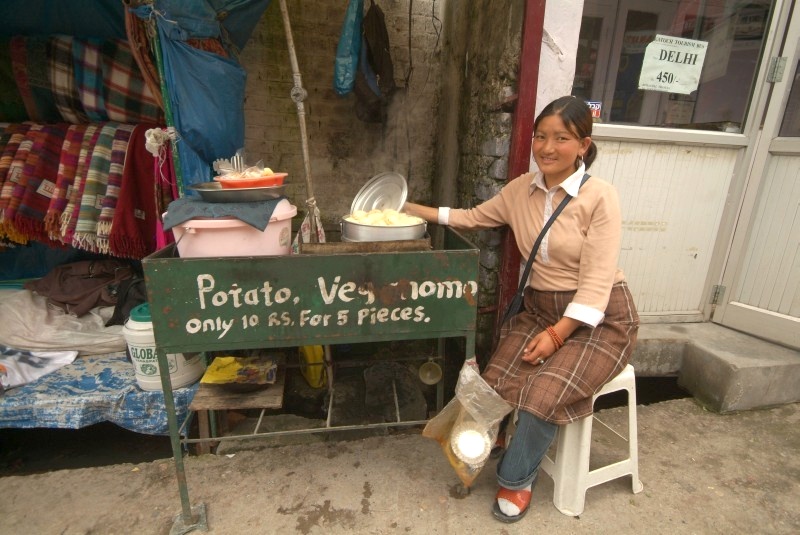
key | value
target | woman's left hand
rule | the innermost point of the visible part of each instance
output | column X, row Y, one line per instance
column 540, row 347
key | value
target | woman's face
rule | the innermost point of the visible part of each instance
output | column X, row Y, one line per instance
column 556, row 148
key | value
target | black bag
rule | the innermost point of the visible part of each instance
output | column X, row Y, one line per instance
column 515, row 307
column 130, row 294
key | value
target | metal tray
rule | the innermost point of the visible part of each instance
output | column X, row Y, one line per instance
column 214, row 192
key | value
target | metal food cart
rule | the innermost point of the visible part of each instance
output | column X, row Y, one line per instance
column 207, row 304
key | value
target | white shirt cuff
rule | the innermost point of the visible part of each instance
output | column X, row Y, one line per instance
column 588, row 315
column 444, row 215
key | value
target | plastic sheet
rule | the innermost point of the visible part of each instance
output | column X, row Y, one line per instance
column 348, row 49
column 468, row 425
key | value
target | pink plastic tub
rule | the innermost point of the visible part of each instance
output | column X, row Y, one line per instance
column 231, row 237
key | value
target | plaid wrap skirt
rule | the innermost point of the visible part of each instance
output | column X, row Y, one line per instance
column 560, row 390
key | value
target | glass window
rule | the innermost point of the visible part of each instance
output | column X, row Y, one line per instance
column 707, row 93
column 791, row 117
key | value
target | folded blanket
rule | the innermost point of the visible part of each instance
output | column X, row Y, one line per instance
column 42, row 169
column 69, row 218
column 119, row 149
column 65, row 178
column 12, row 108
column 37, row 50
column 87, row 61
column 16, row 134
column 19, row 61
column 14, row 187
column 62, row 80
column 91, row 201
column 133, row 229
column 127, row 97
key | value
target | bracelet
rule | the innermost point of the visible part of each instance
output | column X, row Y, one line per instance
column 559, row 343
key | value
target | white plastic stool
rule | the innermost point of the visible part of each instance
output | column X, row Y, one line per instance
column 570, row 468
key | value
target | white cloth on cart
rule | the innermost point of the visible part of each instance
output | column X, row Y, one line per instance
column 28, row 322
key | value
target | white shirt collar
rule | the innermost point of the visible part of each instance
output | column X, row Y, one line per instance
column 571, row 184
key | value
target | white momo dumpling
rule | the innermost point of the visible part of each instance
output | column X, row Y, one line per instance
column 382, row 218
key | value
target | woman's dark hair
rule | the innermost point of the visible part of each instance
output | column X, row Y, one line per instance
column 577, row 117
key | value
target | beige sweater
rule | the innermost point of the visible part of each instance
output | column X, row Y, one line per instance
column 582, row 247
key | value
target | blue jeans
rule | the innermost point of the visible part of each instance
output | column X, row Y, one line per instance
column 519, row 464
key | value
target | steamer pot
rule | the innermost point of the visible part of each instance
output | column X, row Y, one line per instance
column 383, row 191
column 358, row 232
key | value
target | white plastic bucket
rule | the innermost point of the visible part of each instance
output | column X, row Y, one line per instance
column 138, row 332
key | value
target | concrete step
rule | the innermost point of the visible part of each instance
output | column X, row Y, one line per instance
column 724, row 369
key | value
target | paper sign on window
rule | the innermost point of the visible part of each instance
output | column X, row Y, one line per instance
column 672, row 64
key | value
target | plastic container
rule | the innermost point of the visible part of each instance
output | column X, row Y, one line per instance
column 228, row 236
column 138, row 331
column 312, row 366
column 275, row 179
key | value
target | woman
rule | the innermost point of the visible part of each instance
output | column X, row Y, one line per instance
column 579, row 323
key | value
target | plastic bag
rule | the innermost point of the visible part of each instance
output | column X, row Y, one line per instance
column 468, row 425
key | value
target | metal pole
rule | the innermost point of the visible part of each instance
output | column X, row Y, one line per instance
column 298, row 95
column 521, row 134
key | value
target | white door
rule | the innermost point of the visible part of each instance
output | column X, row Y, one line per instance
column 761, row 282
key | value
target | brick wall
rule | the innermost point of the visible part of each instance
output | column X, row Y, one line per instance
column 344, row 151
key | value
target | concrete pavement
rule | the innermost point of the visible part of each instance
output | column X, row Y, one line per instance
column 702, row 472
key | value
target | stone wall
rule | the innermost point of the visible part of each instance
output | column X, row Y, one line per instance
column 491, row 67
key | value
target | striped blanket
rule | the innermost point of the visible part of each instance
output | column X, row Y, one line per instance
column 69, row 218
column 14, row 185
column 91, row 201
column 41, row 169
column 65, row 178
column 119, row 149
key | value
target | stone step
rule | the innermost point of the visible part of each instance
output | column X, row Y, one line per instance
column 724, row 369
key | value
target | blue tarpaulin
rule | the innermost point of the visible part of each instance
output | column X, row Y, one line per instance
column 205, row 90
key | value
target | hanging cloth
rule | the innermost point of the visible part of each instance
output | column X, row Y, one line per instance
column 378, row 49
column 133, row 228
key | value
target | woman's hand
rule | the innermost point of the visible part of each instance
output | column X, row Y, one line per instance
column 540, row 347
column 428, row 213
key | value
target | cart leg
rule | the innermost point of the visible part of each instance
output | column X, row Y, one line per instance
column 204, row 431
column 186, row 521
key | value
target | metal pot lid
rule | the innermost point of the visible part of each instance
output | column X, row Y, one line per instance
column 383, row 191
